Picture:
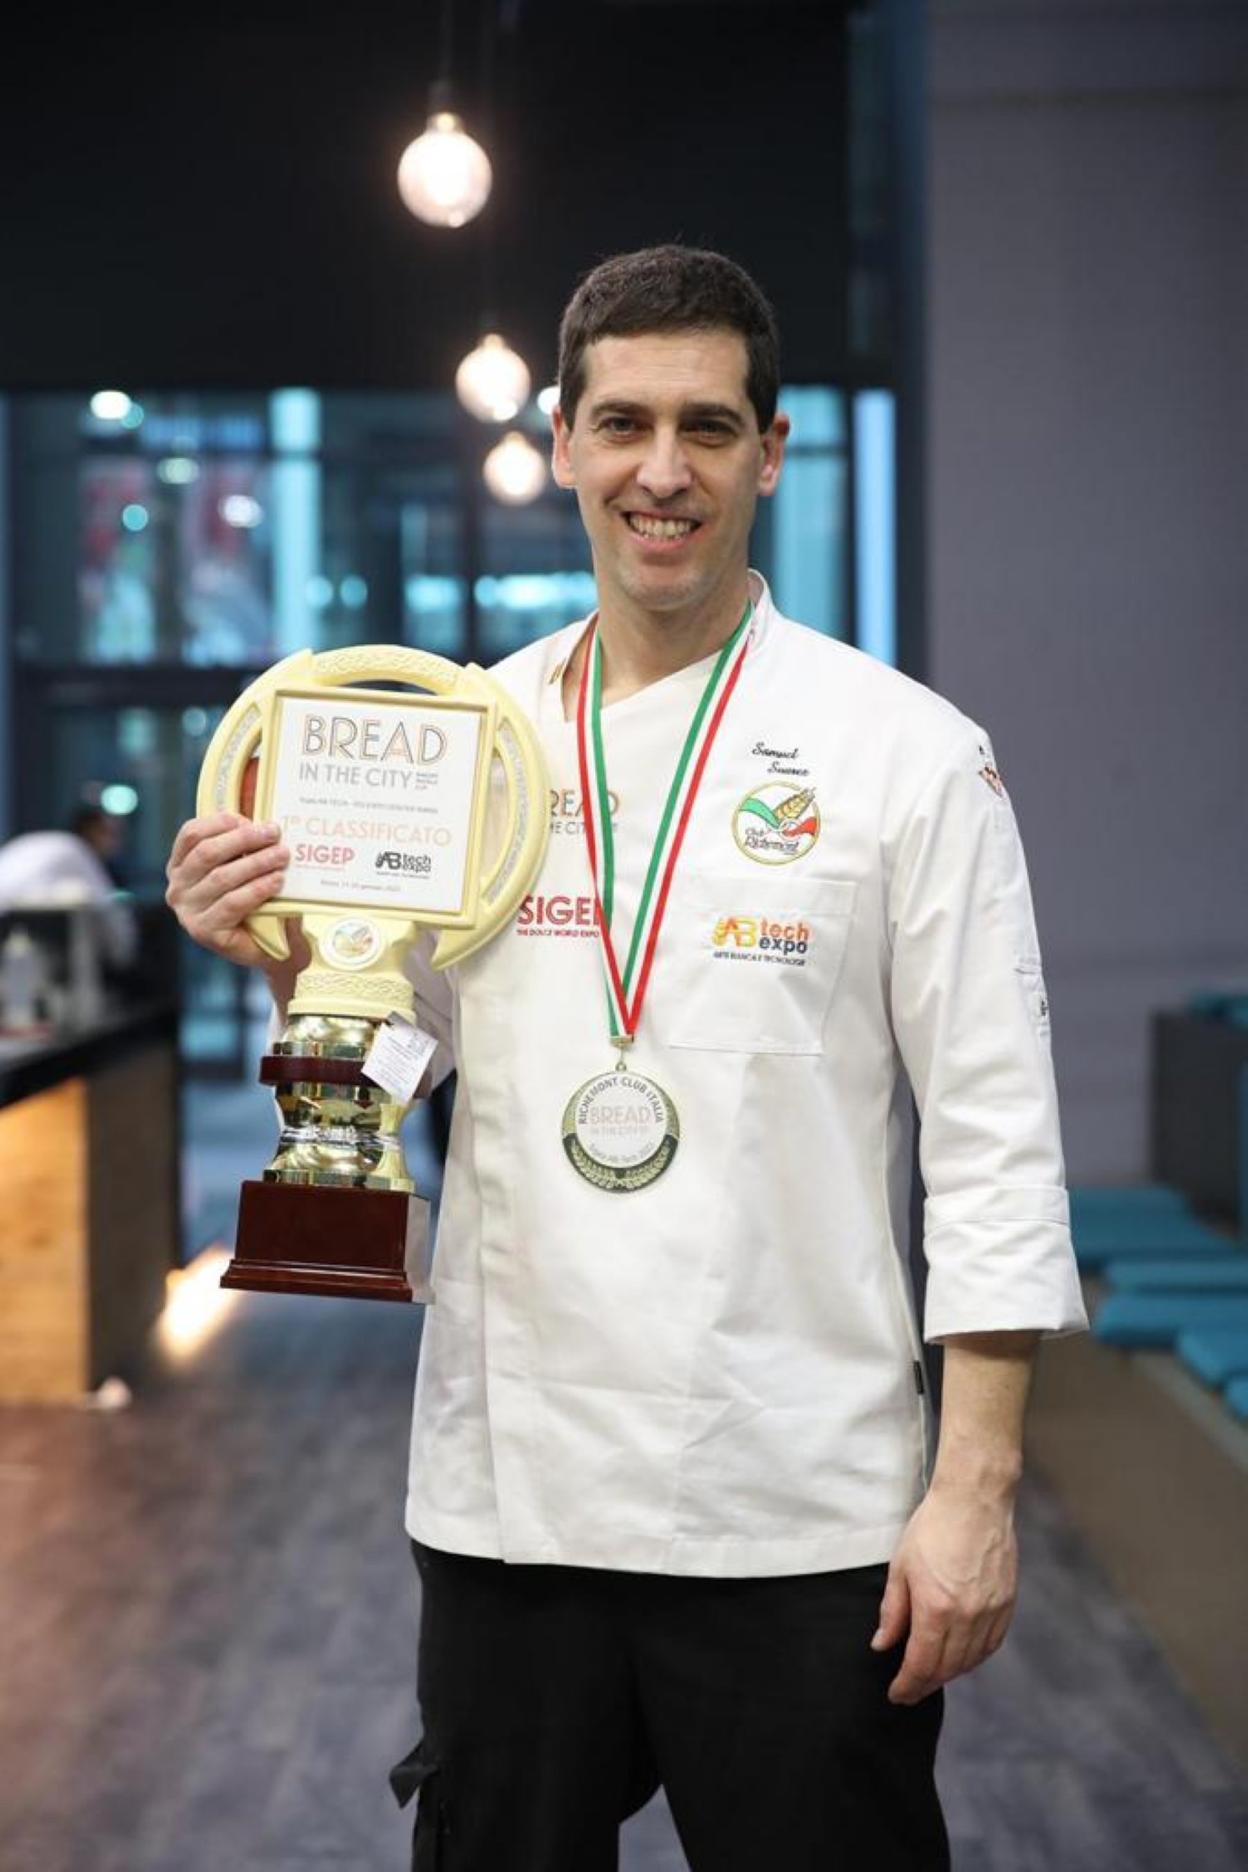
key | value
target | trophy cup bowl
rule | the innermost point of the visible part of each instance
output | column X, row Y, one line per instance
column 416, row 784
column 339, row 1139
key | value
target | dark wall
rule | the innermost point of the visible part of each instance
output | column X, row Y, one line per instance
column 195, row 201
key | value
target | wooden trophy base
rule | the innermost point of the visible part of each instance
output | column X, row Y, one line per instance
column 303, row 1238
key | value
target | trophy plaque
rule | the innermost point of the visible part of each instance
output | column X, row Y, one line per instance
column 387, row 798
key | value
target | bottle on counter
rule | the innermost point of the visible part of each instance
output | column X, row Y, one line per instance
column 23, row 982
column 85, row 1000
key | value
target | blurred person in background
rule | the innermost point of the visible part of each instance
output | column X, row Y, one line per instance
column 58, row 870
column 672, row 1493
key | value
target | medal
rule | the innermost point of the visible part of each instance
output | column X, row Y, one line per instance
column 620, row 1130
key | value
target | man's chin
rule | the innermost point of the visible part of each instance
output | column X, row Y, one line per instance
column 662, row 590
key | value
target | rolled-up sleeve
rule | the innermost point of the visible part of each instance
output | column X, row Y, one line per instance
column 971, row 1019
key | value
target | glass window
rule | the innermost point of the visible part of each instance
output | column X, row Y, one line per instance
column 175, row 570
column 168, row 546
column 196, row 531
column 151, row 754
column 143, row 763
column 875, row 500
column 535, row 574
column 219, row 532
column 808, row 520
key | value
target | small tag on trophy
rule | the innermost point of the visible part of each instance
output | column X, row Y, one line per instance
column 398, row 1056
column 416, row 1260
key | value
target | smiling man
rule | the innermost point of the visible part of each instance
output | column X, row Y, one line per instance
column 668, row 456
column 675, row 1494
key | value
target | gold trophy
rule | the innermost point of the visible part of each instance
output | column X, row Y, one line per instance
column 387, row 800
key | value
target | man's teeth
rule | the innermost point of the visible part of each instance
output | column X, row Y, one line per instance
column 660, row 529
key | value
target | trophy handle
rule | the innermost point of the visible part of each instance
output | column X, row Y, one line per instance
column 527, row 820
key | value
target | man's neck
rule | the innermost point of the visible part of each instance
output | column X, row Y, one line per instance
column 640, row 648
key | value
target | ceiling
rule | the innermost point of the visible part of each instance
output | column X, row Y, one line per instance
column 207, row 199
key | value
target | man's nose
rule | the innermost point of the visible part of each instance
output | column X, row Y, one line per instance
column 664, row 469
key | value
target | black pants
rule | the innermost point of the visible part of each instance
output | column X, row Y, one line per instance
column 556, row 1699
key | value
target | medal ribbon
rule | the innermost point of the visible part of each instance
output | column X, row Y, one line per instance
column 625, row 1013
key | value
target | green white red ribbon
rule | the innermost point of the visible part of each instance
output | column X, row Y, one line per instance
column 626, row 987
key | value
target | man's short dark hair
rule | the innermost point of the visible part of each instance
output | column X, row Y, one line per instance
column 670, row 289
column 87, row 819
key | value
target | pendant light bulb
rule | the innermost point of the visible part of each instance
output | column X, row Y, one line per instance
column 445, row 176
column 492, row 383
column 514, row 471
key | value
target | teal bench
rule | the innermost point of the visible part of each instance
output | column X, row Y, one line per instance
column 1215, row 1353
column 1221, row 1005
column 1236, row 1395
column 1227, row 1273
column 1146, row 1319
column 1157, row 1237
column 1095, row 1199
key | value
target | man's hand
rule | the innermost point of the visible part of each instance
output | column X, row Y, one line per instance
column 952, row 1584
column 221, row 870
column 954, row 1577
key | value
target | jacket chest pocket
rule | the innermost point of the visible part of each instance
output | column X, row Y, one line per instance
column 760, row 958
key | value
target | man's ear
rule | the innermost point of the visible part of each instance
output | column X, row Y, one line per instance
column 560, row 454
column 773, row 441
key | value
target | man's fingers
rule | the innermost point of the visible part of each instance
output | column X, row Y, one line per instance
column 938, row 1652
column 193, row 830
column 222, row 916
column 223, row 847
column 206, row 854
column 211, row 911
column 222, row 869
column 240, row 903
column 269, row 861
column 300, row 948
column 894, row 1612
column 997, row 1630
column 920, row 1666
column 960, row 1652
column 979, row 1638
column 222, row 927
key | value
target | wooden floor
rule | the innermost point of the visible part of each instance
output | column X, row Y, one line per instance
column 207, row 1628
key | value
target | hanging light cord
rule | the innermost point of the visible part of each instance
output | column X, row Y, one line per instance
column 486, row 251
column 442, row 93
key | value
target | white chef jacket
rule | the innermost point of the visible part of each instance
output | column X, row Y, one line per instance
column 53, row 870
column 718, row 1374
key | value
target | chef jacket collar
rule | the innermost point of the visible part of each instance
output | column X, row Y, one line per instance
column 564, row 642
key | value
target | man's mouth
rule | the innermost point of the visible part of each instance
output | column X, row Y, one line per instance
column 658, row 527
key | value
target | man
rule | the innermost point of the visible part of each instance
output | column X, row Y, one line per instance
column 57, row 869
column 671, row 1495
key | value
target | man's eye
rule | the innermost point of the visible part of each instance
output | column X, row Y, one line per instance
column 618, row 425
column 715, row 431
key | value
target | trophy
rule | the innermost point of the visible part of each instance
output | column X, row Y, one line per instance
column 387, row 798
